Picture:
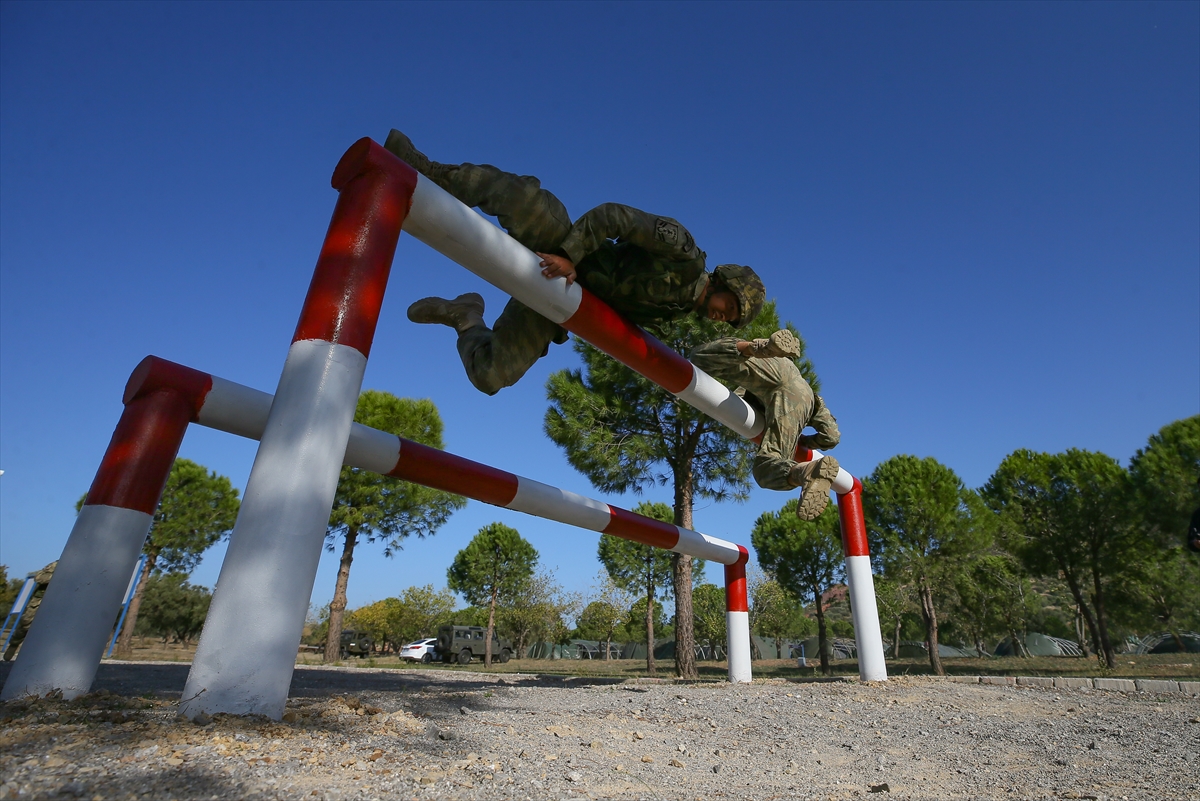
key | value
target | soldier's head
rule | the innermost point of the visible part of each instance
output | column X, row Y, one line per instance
column 735, row 296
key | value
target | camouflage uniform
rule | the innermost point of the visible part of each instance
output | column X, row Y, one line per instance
column 652, row 273
column 42, row 580
column 783, row 396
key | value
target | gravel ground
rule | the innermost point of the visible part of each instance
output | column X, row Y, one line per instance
column 361, row 734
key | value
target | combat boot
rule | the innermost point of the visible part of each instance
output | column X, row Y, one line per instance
column 782, row 343
column 814, row 479
column 462, row 313
column 400, row 145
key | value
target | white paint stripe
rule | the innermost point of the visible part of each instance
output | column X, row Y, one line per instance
column 70, row 632
column 267, row 577
column 235, row 408
column 861, row 586
column 737, row 628
column 552, row 503
column 717, row 401
column 439, row 220
column 372, row 449
column 703, row 546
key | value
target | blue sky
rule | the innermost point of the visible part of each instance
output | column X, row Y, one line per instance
column 985, row 218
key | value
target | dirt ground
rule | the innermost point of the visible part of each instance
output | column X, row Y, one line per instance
column 361, row 733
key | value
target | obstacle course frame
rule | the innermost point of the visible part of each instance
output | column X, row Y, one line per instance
column 307, row 427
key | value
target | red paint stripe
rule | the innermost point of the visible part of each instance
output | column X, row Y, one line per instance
column 154, row 374
column 598, row 324
column 348, row 283
column 854, row 527
column 630, row 526
column 803, row 454
column 143, row 448
column 430, row 467
column 736, row 599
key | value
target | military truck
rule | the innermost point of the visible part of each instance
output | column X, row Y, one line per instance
column 463, row 643
column 356, row 643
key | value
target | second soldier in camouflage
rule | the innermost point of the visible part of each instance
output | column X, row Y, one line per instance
column 764, row 369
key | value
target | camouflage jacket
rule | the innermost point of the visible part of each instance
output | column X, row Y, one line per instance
column 646, row 267
column 827, row 435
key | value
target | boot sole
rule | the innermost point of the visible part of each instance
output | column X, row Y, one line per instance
column 786, row 343
column 816, row 492
column 445, row 312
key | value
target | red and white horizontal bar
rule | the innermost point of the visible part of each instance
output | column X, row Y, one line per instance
column 441, row 221
column 238, row 409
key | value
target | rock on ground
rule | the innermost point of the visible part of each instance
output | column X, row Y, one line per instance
column 415, row 734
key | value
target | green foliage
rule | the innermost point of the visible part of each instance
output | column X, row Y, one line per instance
column 924, row 524
column 198, row 508
column 386, row 509
column 1166, row 479
column 495, row 566
column 599, row 621
column 635, row 567
column 775, row 613
column 625, row 433
column 708, row 605
column 1071, row 513
column 9, row 588
column 394, row 622
column 805, row 557
column 538, row 613
column 172, row 608
column 635, row 621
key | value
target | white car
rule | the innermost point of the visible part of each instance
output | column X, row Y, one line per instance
column 420, row 651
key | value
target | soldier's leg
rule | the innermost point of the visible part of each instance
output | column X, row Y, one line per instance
column 786, row 410
column 497, row 357
column 533, row 216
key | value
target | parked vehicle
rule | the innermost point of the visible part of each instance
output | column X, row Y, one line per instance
column 420, row 650
column 463, row 643
column 356, row 643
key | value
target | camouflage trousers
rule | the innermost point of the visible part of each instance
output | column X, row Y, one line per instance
column 786, row 404
column 497, row 357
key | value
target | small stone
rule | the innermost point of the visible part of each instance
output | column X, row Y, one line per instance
column 879, row 788
column 291, row 716
column 462, row 710
column 445, row 734
column 648, row 759
column 716, row 768
column 575, row 777
column 174, row 761
column 675, row 763
column 202, row 719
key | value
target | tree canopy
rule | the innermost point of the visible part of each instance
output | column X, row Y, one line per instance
column 380, row 508
column 496, row 565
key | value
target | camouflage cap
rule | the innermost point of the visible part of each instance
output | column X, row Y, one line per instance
column 745, row 284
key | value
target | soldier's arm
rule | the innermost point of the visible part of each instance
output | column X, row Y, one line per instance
column 662, row 236
column 825, row 424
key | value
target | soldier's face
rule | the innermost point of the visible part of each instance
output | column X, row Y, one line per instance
column 723, row 307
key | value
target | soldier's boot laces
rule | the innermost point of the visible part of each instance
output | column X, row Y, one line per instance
column 814, row 479
column 465, row 311
column 782, row 343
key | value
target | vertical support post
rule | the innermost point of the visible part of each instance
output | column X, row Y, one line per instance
column 861, row 585
column 129, row 592
column 18, row 609
column 737, row 619
column 67, row 638
column 267, row 576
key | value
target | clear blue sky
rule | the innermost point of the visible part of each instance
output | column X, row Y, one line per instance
column 985, row 218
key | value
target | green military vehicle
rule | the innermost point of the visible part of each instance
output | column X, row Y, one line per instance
column 463, row 643
column 356, row 643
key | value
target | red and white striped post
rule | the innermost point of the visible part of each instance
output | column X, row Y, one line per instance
column 267, row 577
column 67, row 638
column 737, row 618
column 442, row 222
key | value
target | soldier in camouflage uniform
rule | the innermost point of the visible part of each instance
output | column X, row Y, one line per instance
column 41, row 580
column 652, row 273
column 765, row 371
